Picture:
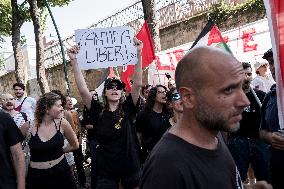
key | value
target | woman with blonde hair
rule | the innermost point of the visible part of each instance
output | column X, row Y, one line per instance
column 48, row 166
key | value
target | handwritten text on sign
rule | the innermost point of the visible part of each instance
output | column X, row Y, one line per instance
column 105, row 47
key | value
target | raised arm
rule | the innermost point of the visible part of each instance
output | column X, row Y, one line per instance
column 79, row 79
column 137, row 79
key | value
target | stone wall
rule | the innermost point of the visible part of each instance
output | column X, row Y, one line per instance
column 188, row 30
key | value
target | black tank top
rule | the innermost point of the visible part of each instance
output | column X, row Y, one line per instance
column 49, row 150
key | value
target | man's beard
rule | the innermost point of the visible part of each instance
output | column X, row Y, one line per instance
column 209, row 118
column 19, row 95
column 246, row 85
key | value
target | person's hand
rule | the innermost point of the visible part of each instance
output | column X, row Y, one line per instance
column 277, row 140
column 259, row 185
column 138, row 44
column 89, row 126
column 72, row 52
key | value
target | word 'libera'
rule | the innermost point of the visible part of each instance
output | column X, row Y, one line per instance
column 108, row 46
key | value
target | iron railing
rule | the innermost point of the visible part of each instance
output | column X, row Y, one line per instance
column 169, row 12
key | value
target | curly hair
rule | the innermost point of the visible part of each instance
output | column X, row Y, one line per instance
column 151, row 100
column 44, row 103
column 21, row 85
column 63, row 97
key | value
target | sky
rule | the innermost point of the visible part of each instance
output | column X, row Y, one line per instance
column 78, row 14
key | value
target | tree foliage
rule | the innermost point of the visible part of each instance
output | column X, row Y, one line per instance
column 223, row 11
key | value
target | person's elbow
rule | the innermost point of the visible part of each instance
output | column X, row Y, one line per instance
column 75, row 146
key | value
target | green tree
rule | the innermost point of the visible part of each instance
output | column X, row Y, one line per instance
column 19, row 16
column 35, row 7
column 12, row 17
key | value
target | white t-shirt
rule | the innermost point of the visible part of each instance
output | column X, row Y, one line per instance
column 28, row 106
column 262, row 83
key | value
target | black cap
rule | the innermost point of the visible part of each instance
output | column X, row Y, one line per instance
column 114, row 80
column 268, row 54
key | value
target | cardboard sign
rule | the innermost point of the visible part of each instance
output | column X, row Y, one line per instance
column 105, row 47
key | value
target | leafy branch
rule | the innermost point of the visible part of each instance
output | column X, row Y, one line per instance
column 223, row 11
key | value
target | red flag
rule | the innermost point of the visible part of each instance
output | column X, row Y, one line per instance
column 148, row 55
column 275, row 17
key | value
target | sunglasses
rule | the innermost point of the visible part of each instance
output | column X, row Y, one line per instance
column 114, row 86
column 175, row 96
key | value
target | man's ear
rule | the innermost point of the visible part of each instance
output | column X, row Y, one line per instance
column 187, row 97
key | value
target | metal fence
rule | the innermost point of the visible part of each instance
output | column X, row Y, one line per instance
column 168, row 13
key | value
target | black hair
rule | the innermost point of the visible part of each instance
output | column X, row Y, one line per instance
column 150, row 102
column 119, row 111
column 246, row 65
column 21, row 85
column 145, row 87
column 268, row 54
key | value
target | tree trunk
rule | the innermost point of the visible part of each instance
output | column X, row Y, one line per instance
column 17, row 23
column 149, row 9
column 41, row 77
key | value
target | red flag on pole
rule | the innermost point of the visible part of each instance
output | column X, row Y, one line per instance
column 275, row 17
column 148, row 55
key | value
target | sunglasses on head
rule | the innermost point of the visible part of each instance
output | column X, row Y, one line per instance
column 113, row 86
column 175, row 96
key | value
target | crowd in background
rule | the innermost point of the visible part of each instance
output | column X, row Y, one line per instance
column 139, row 137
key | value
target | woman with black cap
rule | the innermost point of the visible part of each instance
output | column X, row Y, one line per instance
column 117, row 153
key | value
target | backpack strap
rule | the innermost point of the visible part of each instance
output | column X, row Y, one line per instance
column 18, row 108
column 24, row 116
column 23, row 101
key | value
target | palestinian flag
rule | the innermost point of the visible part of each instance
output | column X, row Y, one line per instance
column 275, row 17
column 211, row 36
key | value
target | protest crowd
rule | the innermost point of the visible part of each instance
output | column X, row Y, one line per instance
column 213, row 125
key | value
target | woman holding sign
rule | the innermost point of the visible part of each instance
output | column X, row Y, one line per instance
column 117, row 154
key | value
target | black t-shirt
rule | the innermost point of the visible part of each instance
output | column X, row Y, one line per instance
column 87, row 119
column 152, row 126
column 115, row 134
column 9, row 136
column 250, row 123
column 175, row 163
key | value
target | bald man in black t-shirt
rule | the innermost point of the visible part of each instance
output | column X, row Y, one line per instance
column 193, row 155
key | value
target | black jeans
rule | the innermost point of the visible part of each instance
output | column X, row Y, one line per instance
column 79, row 158
column 277, row 167
column 93, row 148
column 128, row 182
column 57, row 177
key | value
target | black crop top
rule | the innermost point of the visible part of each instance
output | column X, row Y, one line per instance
column 49, row 150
